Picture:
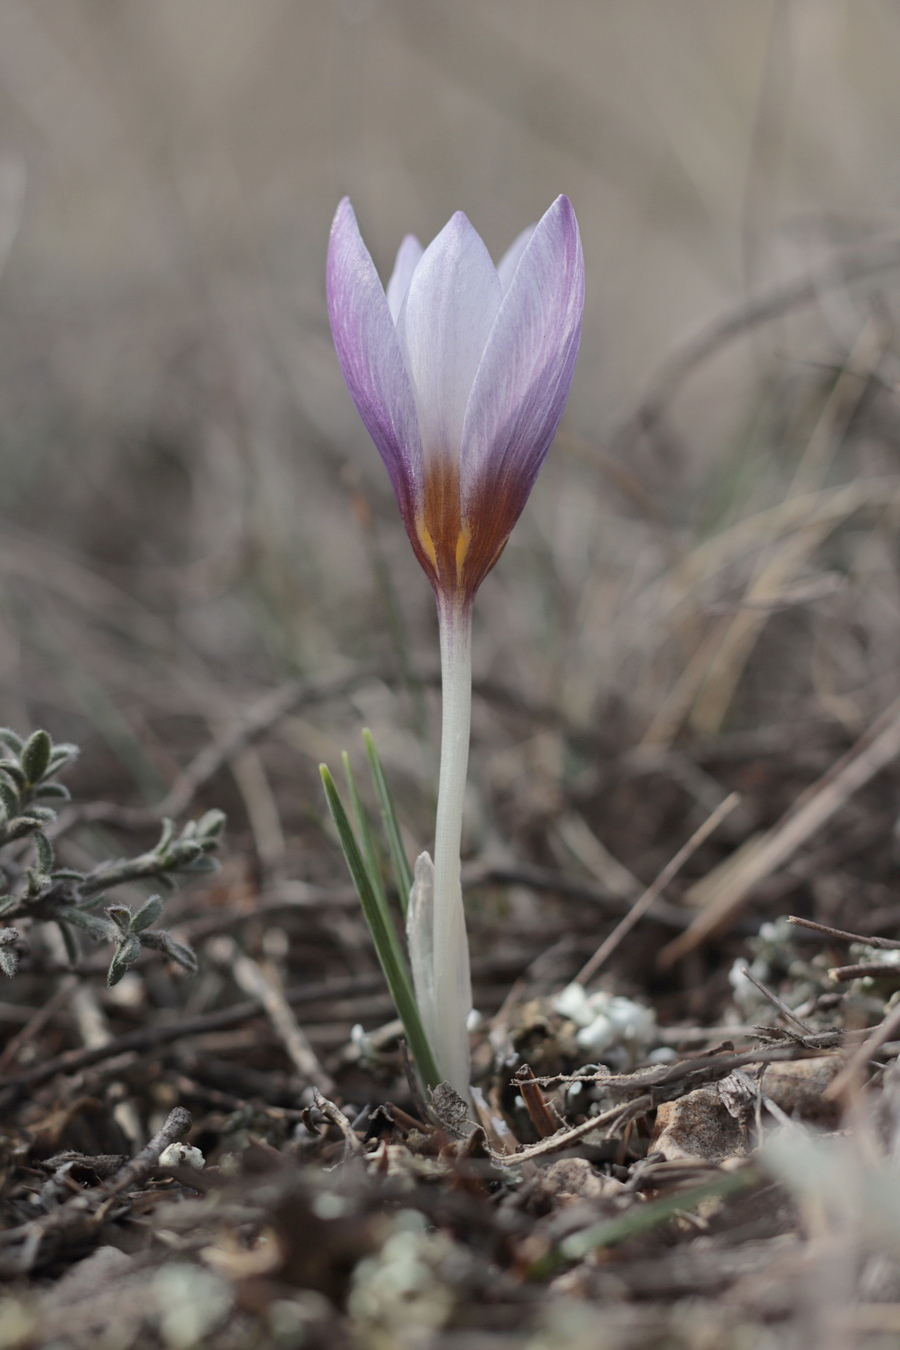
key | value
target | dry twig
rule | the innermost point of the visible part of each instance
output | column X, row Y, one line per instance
column 336, row 1116
column 875, row 255
column 871, row 753
column 608, row 1121
column 884, row 1032
column 262, row 986
column 72, row 1061
column 646, row 901
column 32, row 1244
column 777, row 1002
column 883, row 943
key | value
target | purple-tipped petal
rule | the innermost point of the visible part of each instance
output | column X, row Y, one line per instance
column 371, row 360
column 408, row 255
column 452, row 302
column 460, row 374
column 507, row 265
column 522, row 383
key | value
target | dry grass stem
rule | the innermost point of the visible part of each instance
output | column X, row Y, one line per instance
column 642, row 905
column 872, row 752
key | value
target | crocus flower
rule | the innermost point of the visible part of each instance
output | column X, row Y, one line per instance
column 460, row 371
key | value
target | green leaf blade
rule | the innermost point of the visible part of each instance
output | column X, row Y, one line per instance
column 387, row 945
column 402, row 869
column 363, row 829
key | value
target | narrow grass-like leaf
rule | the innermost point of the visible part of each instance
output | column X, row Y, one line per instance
column 402, row 870
column 641, row 1219
column 370, row 859
column 384, row 936
column 366, row 838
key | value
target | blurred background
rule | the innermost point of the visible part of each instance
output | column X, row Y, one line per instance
column 703, row 592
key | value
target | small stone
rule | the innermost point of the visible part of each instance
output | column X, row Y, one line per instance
column 798, row 1087
column 698, row 1127
column 575, row 1177
column 182, row 1155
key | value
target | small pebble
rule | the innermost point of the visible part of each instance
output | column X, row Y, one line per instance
column 182, row 1155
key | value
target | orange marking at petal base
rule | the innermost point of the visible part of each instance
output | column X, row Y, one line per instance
column 439, row 525
column 458, row 551
column 426, row 541
column 462, row 548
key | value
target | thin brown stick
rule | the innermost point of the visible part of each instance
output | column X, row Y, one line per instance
column 867, row 970
column 544, row 1119
column 651, row 894
column 177, row 1125
column 32, row 1243
column 848, row 1075
column 36, row 1024
column 73, row 1061
column 539, row 878
column 667, row 1081
column 250, row 775
column 260, row 984
column 886, row 944
column 607, row 1120
column 777, row 1002
column 871, row 753
column 336, row 1116
column 875, row 255
column 259, row 718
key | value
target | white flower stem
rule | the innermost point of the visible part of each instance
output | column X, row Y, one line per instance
column 452, row 982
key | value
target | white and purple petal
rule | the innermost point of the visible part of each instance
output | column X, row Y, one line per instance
column 460, row 372
column 371, row 360
column 523, row 379
column 408, row 255
column 452, row 302
column 506, row 267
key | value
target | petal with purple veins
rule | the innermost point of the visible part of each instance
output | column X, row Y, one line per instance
column 452, row 302
column 523, row 380
column 408, row 255
column 507, row 265
column 371, row 360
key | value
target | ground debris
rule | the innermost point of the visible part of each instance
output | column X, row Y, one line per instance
column 330, row 1225
column 684, row 1182
column 700, row 1126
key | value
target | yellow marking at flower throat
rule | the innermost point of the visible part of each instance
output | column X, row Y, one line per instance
column 426, row 541
column 443, row 537
column 462, row 548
